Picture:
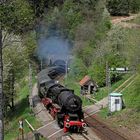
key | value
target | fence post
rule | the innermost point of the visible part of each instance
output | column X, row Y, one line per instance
column 36, row 134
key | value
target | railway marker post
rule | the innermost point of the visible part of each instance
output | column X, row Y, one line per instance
column 21, row 130
column 30, row 87
column 66, row 72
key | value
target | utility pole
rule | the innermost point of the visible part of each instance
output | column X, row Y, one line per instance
column 108, row 81
column 30, row 86
column 41, row 64
column 1, row 91
column 108, row 84
column 11, row 84
column 66, row 72
column 30, row 78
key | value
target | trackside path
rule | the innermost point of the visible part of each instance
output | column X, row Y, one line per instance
column 122, row 21
column 38, row 109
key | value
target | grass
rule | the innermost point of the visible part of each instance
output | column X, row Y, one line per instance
column 103, row 92
column 22, row 111
column 103, row 112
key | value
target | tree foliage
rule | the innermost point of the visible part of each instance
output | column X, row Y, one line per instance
column 118, row 7
column 16, row 16
column 134, row 6
column 88, row 36
column 123, row 7
column 115, row 45
column 79, row 70
column 98, row 73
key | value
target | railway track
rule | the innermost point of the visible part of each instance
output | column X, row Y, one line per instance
column 79, row 137
column 102, row 130
column 52, row 131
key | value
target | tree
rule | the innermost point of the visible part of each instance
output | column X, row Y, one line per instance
column 17, row 17
column 97, row 73
column 134, row 6
column 118, row 7
column 78, row 69
column 8, row 88
column 1, row 91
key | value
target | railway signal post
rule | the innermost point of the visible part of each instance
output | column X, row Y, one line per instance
column 122, row 70
column 21, row 130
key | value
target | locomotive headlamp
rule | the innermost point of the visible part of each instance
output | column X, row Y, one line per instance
column 82, row 120
column 67, row 120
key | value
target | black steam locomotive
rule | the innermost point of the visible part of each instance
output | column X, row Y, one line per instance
column 60, row 101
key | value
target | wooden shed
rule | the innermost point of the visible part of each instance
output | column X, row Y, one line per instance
column 88, row 86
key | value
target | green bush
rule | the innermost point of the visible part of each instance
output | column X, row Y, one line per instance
column 98, row 73
column 118, row 7
column 78, row 69
column 134, row 6
column 72, row 15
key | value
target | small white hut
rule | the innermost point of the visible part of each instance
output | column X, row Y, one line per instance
column 115, row 102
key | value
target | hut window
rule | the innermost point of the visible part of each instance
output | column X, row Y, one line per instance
column 117, row 101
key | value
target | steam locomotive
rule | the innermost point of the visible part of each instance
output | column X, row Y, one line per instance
column 60, row 101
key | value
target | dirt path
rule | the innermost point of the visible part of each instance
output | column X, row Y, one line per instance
column 122, row 21
column 38, row 108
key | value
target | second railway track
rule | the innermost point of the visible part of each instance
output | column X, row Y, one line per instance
column 79, row 137
column 102, row 130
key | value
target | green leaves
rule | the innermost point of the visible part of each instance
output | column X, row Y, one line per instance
column 16, row 16
column 30, row 44
column 73, row 16
column 78, row 69
column 118, row 7
column 134, row 5
column 97, row 73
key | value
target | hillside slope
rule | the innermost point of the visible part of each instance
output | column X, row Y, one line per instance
column 128, row 120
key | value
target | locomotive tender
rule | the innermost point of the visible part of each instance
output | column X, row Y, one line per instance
column 61, row 103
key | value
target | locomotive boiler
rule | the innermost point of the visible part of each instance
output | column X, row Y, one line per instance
column 61, row 103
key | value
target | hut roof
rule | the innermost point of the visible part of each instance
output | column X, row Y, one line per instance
column 84, row 80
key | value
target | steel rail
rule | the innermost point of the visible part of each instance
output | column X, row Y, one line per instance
column 102, row 130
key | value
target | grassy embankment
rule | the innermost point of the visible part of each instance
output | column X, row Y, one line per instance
column 130, row 116
column 22, row 111
column 103, row 92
